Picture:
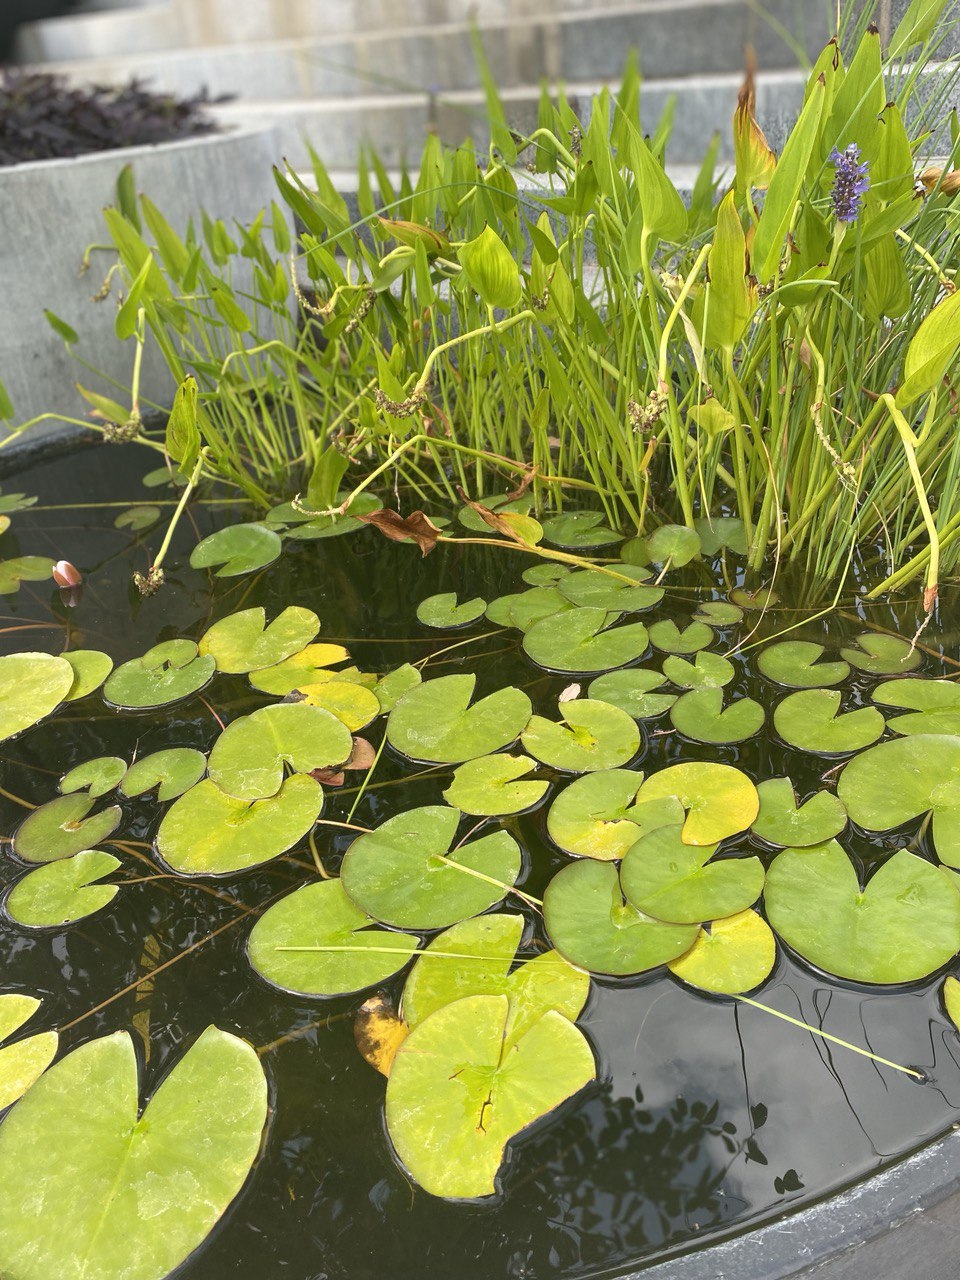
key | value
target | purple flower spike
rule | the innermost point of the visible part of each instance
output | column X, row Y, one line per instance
column 850, row 183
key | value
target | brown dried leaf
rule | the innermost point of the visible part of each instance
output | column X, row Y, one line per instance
column 379, row 1033
column 328, row 777
column 518, row 528
column 570, row 692
column 362, row 756
column 416, row 527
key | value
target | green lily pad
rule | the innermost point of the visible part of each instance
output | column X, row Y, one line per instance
column 719, row 800
column 172, row 772
column 796, row 664
column 305, row 528
column 935, row 704
column 243, row 642
column 238, row 549
column 474, row 958
column 591, row 924
column 443, row 611
column 489, row 786
column 405, row 874
column 317, row 942
column 60, row 828
column 138, row 518
column 96, row 777
column 673, row 544
column 717, row 613
column 90, row 668
column 305, row 667
column 23, row 569
column 903, row 926
column 811, row 721
column 736, row 955
column 390, row 688
column 501, row 504
column 455, row 1098
column 782, row 821
column 720, row 532
column 676, row 882
column 169, row 672
column 701, row 715
column 760, row 599
column 544, row 574
column 154, row 1184
column 24, row 1062
column 587, row 588
column 434, row 721
column 592, row 735
column 208, row 833
column 61, row 892
column 249, row 757
column 881, row 655
column 351, row 703
column 583, row 641
column 632, row 692
column 597, row 816
column 951, row 1000
column 578, row 530
column 523, row 608
column 31, row 686
column 707, row 671
column 667, row 636
column 898, row 781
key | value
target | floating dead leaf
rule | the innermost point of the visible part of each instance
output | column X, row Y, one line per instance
column 379, row 1033
column 518, row 528
column 363, row 755
column 570, row 692
column 328, row 777
column 416, row 527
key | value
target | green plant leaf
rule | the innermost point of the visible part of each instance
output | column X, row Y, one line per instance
column 137, row 518
column 718, row 533
column 390, row 688
column 490, row 268
column 597, row 816
column 324, row 484
column 61, row 892
column 61, row 328
column 304, row 668
column 489, row 786
column 720, row 801
column 545, row 574
column 903, row 926
column 248, row 760
column 79, row 1125
column 589, row 589
column 632, row 692
column 951, row 1000
column 172, row 771
column 935, row 703
column 717, row 613
column 168, row 672
column 677, row 883
column 434, row 721
column 701, row 715
column 405, row 874
column 182, row 440
column 592, row 735
column 301, row 527
column 349, row 701
column 21, row 1063
column 23, row 569
column 90, row 668
column 455, row 1099
column 730, row 300
column 882, row 655
column 782, row 821
column 317, row 942
column 32, row 685
column 673, row 544
column 238, row 549
column 96, row 777
column 208, row 833
column 443, row 611
column 735, row 956
column 664, row 213
column 811, row 720
column 523, row 608
column 707, row 671
column 60, row 828
column 243, row 642
column 667, row 636
column 581, row 640
column 579, row 530
column 932, row 350
column 796, row 664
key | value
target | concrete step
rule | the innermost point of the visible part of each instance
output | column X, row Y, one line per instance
column 141, row 29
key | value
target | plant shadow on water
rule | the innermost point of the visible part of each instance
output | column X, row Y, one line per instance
column 707, row 1115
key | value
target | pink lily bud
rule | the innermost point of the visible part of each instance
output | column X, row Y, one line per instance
column 66, row 574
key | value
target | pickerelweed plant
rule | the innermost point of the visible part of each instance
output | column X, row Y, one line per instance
column 554, row 314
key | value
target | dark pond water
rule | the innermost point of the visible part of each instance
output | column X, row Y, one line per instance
column 707, row 1117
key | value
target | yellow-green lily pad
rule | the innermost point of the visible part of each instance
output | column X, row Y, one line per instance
column 59, row 893
column 719, row 800
column 391, row 687
column 632, row 691
column 61, row 827
column 299, row 669
column 353, row 704
column 23, row 1062
column 581, row 641
column 735, row 955
column 881, row 655
column 797, row 664
column 491, row 786
column 591, row 735
column 249, row 758
column 90, row 669
column 667, row 636
column 435, row 722
column 935, row 705
column 31, row 686
column 244, row 641
column 701, row 715
column 96, row 777
column 577, row 530
column 676, row 882
column 172, row 771
column 706, row 671
column 169, row 672
column 23, row 569
column 811, row 720
column 442, row 611
column 597, row 816
column 523, row 608
column 237, row 549
column 784, row 822
column 587, row 588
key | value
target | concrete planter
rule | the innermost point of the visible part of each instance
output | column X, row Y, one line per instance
column 51, row 211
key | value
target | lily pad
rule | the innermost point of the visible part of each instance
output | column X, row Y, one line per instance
column 249, row 757
column 597, row 816
column 435, row 722
column 60, row 828
column 244, row 642
column 676, row 882
column 796, row 664
column 720, row 532
column 474, row 958
column 544, row 574
column 317, row 942
column 587, row 588
column 736, row 955
column 31, row 686
column 759, row 599
column 667, row 636
column 390, row 688
column 591, row 924
column 673, row 544
column 935, row 704
column 577, row 530
column 137, row 518
column 811, row 720
column 238, row 549
column 443, row 611
column 405, row 874
column 707, row 671
column 717, row 613
column 898, row 781
column 523, row 608
column 902, row 927
column 782, row 821
column 172, row 772
column 169, row 672
column 951, row 1000
column 23, row 569
column 632, row 692
column 208, row 833
column 719, row 800
column 455, row 1098
column 701, row 715
column 501, row 504
column 305, row 528
column 96, row 777
column 299, row 669
column 351, row 703
column 154, row 1184
column 880, row 655
column 581, row 641
column 592, row 735
column 21, row 1063
column 90, row 669
column 490, row 786
column 61, row 892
